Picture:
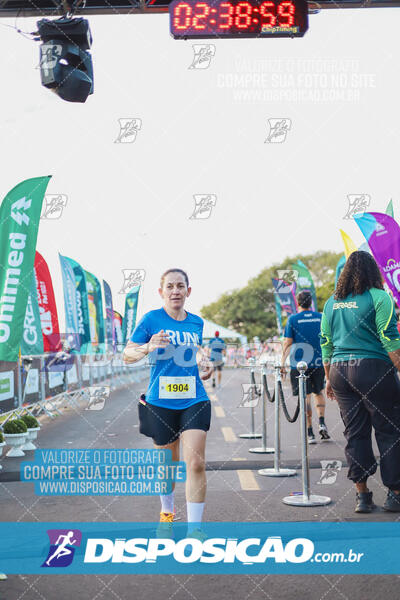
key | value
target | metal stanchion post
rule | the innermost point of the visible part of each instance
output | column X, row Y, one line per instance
column 263, row 449
column 277, row 471
column 306, row 498
column 252, row 435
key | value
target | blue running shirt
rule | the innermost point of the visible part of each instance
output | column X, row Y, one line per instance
column 304, row 328
column 217, row 345
column 174, row 375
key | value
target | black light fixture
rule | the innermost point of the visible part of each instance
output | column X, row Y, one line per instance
column 66, row 67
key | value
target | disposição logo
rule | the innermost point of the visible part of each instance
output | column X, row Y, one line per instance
column 62, row 547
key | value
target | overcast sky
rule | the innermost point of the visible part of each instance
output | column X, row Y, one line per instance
column 204, row 131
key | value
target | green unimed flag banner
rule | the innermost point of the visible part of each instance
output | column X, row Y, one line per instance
column 19, row 223
column 32, row 338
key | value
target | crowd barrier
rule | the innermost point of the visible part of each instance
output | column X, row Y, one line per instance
column 263, row 449
column 37, row 384
column 278, row 399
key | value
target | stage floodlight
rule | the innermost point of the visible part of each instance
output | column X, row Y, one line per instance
column 66, row 66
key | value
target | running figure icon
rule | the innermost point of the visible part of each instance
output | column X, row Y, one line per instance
column 62, row 550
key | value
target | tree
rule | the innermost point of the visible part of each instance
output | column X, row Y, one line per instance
column 251, row 309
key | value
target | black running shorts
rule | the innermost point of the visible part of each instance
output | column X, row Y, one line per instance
column 315, row 381
column 165, row 425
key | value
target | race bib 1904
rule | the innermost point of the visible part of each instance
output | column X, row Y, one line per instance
column 177, row 387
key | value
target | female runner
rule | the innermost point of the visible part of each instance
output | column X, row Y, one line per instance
column 176, row 406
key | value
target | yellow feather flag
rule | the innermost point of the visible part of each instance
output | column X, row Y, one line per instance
column 349, row 245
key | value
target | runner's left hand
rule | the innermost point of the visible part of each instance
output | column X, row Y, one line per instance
column 206, row 373
column 206, row 368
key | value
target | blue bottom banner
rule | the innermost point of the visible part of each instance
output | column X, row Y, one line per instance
column 254, row 547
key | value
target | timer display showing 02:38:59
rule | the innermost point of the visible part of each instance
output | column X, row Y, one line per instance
column 238, row 18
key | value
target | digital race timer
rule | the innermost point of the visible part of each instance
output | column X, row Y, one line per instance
column 238, row 18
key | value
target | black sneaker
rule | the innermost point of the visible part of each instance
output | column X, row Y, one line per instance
column 392, row 502
column 364, row 503
column 323, row 432
column 213, row 383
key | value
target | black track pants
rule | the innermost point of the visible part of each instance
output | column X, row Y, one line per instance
column 368, row 394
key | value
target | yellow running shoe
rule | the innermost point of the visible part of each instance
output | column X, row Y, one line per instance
column 164, row 530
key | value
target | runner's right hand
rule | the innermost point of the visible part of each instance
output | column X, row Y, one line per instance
column 158, row 340
column 329, row 391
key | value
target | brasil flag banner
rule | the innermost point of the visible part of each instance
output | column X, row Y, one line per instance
column 19, row 224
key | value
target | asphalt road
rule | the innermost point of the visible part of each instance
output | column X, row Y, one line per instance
column 235, row 492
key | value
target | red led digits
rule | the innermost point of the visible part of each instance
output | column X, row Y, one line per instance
column 286, row 11
column 182, row 16
column 202, row 6
column 268, row 16
column 238, row 18
column 243, row 12
column 228, row 15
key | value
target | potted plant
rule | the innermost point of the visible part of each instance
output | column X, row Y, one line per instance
column 2, row 443
column 15, row 432
column 33, row 428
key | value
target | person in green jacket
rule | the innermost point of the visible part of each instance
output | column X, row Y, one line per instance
column 360, row 347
